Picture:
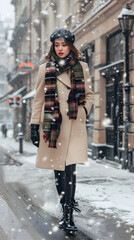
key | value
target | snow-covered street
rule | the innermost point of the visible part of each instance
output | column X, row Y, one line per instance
column 21, row 217
column 104, row 192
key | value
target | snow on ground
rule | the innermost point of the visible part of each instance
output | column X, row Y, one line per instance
column 9, row 143
column 108, row 190
column 101, row 186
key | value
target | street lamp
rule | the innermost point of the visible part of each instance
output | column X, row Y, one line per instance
column 126, row 20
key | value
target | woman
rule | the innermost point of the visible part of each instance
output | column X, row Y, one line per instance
column 58, row 123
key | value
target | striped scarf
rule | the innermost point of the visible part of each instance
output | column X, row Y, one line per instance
column 52, row 116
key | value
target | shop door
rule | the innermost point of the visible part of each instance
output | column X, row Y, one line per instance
column 114, row 110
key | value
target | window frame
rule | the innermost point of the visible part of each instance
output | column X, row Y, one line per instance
column 108, row 61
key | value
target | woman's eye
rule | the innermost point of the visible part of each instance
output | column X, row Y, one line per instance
column 64, row 45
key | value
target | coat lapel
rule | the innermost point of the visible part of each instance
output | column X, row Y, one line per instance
column 65, row 79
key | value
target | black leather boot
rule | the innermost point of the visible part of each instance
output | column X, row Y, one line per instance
column 69, row 225
column 62, row 221
column 65, row 184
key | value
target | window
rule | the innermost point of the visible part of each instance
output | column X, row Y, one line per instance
column 88, row 53
column 69, row 11
column 115, row 47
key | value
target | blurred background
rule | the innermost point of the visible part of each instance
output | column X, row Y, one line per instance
column 25, row 27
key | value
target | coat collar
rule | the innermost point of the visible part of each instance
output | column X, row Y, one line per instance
column 65, row 79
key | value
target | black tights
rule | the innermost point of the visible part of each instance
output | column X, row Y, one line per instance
column 66, row 183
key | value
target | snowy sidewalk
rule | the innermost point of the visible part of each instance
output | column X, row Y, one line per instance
column 105, row 193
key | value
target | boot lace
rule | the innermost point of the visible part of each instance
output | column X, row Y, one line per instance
column 75, row 207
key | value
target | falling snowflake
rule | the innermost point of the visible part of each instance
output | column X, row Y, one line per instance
column 55, row 229
column 62, row 62
column 86, row 164
column 28, row 38
column 28, row 207
column 106, row 166
column 106, row 122
column 59, row 15
column 13, row 229
column 91, row 221
column 75, row 172
column 118, row 224
column 45, row 89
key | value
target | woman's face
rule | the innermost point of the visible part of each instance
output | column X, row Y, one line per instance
column 61, row 48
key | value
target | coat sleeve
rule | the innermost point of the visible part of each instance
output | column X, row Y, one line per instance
column 39, row 96
column 89, row 95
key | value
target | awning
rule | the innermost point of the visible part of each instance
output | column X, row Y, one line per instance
column 29, row 95
column 16, row 93
column 12, row 93
column 6, row 94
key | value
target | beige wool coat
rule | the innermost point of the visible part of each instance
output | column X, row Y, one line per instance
column 72, row 141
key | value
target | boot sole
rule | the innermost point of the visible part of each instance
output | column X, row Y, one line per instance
column 61, row 227
column 69, row 231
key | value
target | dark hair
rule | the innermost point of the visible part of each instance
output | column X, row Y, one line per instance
column 77, row 53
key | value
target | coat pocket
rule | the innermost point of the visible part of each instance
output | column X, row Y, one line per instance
column 81, row 113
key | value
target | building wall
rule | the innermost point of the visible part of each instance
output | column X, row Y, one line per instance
column 99, row 22
column 5, row 114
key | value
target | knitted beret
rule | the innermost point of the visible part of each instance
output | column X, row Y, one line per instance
column 62, row 33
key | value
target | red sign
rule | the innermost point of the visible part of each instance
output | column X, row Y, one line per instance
column 23, row 64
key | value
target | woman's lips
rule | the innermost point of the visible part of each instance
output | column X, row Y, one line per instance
column 61, row 53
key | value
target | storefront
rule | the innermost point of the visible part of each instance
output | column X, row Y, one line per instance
column 113, row 123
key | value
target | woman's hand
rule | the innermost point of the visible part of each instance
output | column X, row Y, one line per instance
column 35, row 137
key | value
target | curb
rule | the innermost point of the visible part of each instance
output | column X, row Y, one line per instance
column 109, row 163
column 13, row 155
